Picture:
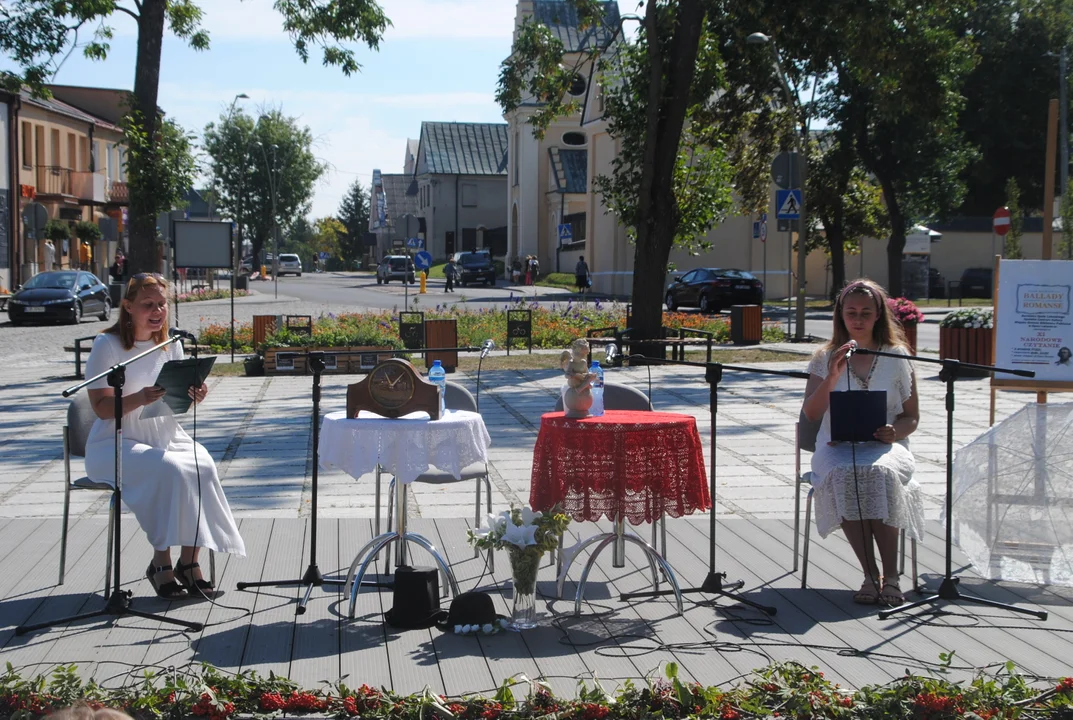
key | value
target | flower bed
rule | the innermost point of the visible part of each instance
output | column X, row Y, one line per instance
column 554, row 326
column 783, row 690
column 207, row 294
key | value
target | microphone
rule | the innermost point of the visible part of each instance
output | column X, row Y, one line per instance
column 610, row 353
column 852, row 349
column 176, row 332
column 486, row 347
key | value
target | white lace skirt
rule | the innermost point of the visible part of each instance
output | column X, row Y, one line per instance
column 884, row 477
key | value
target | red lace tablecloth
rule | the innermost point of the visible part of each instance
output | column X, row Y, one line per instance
column 636, row 464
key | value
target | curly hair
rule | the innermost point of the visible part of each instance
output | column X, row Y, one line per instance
column 887, row 330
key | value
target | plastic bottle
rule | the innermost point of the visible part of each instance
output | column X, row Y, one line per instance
column 438, row 375
column 597, row 390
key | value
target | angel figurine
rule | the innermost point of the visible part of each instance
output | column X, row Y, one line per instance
column 577, row 392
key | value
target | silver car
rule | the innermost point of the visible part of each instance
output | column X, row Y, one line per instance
column 289, row 263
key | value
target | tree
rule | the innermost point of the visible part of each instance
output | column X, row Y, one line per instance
column 329, row 236
column 1006, row 96
column 1012, row 246
column 35, row 33
column 844, row 199
column 354, row 215
column 899, row 69
column 670, row 181
column 1065, row 245
column 265, row 169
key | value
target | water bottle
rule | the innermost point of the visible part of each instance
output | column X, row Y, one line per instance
column 438, row 375
column 597, row 389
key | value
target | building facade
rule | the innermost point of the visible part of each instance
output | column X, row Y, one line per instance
column 71, row 162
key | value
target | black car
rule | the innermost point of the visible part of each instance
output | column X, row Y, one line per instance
column 976, row 282
column 475, row 267
column 64, row 295
column 712, row 289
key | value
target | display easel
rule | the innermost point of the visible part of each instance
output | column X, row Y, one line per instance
column 1041, row 386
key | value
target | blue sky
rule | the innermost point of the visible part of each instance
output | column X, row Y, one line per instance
column 439, row 61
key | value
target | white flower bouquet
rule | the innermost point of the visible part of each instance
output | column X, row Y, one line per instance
column 970, row 318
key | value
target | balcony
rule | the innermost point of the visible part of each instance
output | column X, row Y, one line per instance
column 79, row 185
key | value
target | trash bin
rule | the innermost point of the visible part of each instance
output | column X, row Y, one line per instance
column 117, row 291
column 242, row 282
column 746, row 322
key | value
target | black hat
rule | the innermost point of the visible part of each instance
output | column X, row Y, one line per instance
column 472, row 609
column 415, row 602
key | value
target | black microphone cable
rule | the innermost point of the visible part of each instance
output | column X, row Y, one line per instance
column 867, row 541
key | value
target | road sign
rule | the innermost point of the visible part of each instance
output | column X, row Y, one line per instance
column 781, row 168
column 763, row 232
column 763, row 217
column 323, row 255
column 415, row 242
column 423, row 260
column 35, row 216
column 789, row 204
column 1001, row 221
column 566, row 233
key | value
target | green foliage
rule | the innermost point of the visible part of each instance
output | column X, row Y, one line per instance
column 354, row 214
column 1012, row 245
column 160, row 166
column 57, row 230
column 87, row 231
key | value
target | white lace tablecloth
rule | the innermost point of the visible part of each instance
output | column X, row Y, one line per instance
column 405, row 447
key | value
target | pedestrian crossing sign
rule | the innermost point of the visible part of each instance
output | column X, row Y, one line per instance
column 566, row 233
column 789, row 204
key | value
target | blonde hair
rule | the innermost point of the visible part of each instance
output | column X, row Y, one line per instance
column 887, row 331
column 85, row 712
column 124, row 327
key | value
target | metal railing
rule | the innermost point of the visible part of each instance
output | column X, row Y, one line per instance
column 81, row 184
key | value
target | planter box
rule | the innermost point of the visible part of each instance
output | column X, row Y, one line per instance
column 971, row 345
column 911, row 336
column 292, row 360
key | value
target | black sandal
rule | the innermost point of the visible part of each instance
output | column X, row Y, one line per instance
column 170, row 590
column 196, row 588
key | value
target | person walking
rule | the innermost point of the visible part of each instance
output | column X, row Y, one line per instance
column 50, row 255
column 450, row 271
column 581, row 276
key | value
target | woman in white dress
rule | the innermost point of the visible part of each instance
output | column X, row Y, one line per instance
column 169, row 481
column 867, row 489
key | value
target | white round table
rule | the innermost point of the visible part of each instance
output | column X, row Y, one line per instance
column 406, row 447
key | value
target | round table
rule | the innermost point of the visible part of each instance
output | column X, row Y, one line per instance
column 626, row 464
column 406, row 447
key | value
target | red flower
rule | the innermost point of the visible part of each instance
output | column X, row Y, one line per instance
column 1065, row 685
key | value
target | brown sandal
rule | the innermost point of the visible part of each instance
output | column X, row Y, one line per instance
column 892, row 593
column 869, row 592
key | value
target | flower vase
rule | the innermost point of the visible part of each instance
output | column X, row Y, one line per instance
column 523, row 568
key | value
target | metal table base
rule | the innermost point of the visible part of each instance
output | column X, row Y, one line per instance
column 617, row 540
column 368, row 554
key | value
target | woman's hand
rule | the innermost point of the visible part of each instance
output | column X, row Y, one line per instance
column 838, row 363
column 886, row 434
column 197, row 394
column 150, row 394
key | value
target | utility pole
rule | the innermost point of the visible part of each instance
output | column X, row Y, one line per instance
column 1063, row 108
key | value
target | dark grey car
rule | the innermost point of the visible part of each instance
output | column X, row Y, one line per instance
column 63, row 295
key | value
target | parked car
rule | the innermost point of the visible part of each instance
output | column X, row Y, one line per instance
column 712, row 289
column 936, row 284
column 976, row 282
column 395, row 267
column 475, row 267
column 246, row 264
column 64, row 295
column 289, row 263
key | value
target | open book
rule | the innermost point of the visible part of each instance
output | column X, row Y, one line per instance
column 176, row 377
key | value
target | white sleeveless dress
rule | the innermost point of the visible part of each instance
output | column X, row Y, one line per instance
column 160, row 461
column 884, row 473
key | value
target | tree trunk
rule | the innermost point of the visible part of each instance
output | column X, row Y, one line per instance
column 650, row 271
column 836, row 244
column 143, row 255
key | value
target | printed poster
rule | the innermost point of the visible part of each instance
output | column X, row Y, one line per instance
column 1034, row 327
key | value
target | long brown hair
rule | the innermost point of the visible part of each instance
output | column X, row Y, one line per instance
column 886, row 331
column 124, row 327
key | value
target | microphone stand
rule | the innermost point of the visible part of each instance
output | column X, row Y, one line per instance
column 713, row 583
column 118, row 602
column 312, row 577
column 948, row 587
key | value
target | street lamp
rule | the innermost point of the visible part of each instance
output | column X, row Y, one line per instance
column 272, row 188
column 758, row 38
column 227, row 120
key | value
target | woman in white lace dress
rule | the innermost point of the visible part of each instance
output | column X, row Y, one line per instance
column 169, row 481
column 868, row 490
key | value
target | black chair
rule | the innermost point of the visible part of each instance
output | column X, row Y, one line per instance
column 457, row 398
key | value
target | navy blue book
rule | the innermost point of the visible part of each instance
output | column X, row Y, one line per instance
column 857, row 414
